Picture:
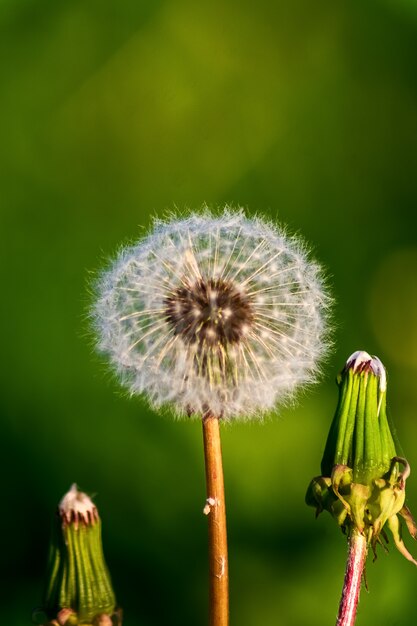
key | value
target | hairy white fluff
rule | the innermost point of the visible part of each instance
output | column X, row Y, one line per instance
column 76, row 505
column 276, row 348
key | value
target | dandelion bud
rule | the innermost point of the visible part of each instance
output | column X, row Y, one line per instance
column 213, row 314
column 363, row 474
column 78, row 589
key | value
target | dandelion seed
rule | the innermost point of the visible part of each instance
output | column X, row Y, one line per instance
column 217, row 313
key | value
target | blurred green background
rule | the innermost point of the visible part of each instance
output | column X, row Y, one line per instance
column 112, row 112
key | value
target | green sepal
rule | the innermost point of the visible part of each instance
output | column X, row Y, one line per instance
column 77, row 574
column 360, row 435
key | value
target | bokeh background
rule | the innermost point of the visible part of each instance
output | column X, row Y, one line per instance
column 114, row 112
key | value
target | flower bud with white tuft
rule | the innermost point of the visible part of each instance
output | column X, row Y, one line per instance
column 363, row 474
column 78, row 589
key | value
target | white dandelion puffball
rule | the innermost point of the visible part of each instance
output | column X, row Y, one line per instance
column 217, row 314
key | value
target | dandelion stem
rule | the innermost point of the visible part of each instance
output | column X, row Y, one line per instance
column 215, row 509
column 353, row 577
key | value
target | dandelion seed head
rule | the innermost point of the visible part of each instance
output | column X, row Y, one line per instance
column 217, row 313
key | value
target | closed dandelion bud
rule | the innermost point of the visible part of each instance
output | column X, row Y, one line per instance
column 78, row 589
column 363, row 473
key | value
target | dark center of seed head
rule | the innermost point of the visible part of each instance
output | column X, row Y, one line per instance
column 209, row 312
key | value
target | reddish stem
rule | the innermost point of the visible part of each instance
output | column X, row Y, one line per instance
column 215, row 510
column 353, row 577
